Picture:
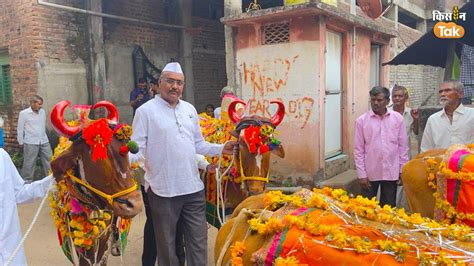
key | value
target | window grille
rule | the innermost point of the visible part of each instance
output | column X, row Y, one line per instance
column 276, row 33
column 5, row 85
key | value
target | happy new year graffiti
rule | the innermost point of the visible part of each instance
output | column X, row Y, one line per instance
column 269, row 81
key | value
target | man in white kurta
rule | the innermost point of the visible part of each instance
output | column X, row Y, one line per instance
column 452, row 125
column 13, row 191
column 168, row 134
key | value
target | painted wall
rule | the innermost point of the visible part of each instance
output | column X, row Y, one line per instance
column 293, row 72
column 288, row 72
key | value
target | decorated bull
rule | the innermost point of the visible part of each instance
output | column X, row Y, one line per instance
column 95, row 196
column 440, row 184
column 251, row 162
column 415, row 176
column 328, row 227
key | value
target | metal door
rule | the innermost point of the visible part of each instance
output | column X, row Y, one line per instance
column 333, row 112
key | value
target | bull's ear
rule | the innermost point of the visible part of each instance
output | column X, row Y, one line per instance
column 279, row 151
column 65, row 161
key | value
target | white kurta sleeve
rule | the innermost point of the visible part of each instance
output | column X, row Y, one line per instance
column 24, row 192
column 201, row 161
column 140, row 136
column 202, row 146
column 20, row 128
column 427, row 141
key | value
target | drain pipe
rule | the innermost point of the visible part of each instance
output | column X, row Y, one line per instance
column 100, row 14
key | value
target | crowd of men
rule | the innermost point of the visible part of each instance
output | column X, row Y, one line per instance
column 382, row 140
column 167, row 131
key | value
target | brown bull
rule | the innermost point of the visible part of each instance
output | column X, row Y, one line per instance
column 96, row 194
column 415, row 180
column 255, row 138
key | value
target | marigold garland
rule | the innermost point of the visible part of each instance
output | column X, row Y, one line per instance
column 288, row 261
column 237, row 251
column 217, row 131
column 362, row 207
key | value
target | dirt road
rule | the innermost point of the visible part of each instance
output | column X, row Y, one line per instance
column 42, row 248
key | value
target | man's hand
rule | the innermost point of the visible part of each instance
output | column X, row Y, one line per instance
column 229, row 147
column 364, row 183
column 415, row 113
column 400, row 181
column 211, row 168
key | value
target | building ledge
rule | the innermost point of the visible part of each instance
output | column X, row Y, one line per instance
column 315, row 7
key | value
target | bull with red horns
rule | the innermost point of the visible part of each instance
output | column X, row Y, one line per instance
column 251, row 161
column 95, row 196
column 256, row 138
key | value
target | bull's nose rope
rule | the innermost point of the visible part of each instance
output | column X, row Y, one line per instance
column 108, row 197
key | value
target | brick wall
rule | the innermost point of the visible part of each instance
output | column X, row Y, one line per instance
column 421, row 81
column 34, row 35
column 130, row 33
column 209, row 68
column 29, row 33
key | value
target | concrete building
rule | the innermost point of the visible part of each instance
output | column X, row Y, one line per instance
column 82, row 51
column 321, row 58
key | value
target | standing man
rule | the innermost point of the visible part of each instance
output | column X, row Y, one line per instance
column 452, row 125
column 168, row 134
column 225, row 91
column 411, row 121
column 31, row 134
column 13, row 191
column 410, row 116
column 381, row 148
column 140, row 95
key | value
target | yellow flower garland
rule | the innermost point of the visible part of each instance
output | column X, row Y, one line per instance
column 237, row 251
column 217, row 131
column 82, row 231
column 363, row 207
column 288, row 261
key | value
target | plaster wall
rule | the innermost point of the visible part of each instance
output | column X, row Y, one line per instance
column 288, row 72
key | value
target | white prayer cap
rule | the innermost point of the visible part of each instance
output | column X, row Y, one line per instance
column 174, row 67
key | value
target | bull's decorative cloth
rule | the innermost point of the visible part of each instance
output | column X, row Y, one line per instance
column 338, row 230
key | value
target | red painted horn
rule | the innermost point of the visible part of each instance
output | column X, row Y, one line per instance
column 278, row 116
column 234, row 117
column 57, row 120
column 111, row 109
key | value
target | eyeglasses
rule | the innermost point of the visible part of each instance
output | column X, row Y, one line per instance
column 171, row 81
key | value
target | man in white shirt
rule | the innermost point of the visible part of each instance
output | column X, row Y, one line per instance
column 410, row 116
column 31, row 134
column 168, row 133
column 411, row 121
column 452, row 125
column 13, row 191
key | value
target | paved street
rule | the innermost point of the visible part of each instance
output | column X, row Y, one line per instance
column 42, row 246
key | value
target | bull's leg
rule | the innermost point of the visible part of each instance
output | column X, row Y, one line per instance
column 115, row 243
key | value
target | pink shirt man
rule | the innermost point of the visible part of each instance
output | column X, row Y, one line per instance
column 381, row 146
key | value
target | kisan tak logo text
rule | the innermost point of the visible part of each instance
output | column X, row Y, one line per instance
column 447, row 28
